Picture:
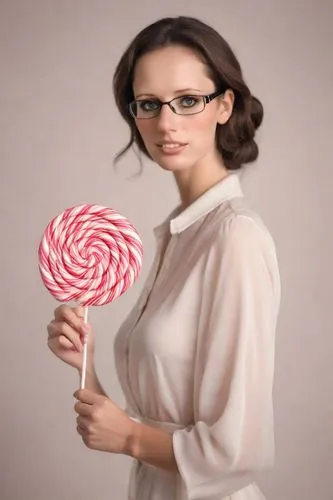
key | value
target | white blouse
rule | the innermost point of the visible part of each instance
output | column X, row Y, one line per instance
column 196, row 354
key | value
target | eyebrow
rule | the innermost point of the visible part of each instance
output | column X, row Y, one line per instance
column 181, row 91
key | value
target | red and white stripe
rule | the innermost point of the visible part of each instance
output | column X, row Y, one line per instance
column 90, row 254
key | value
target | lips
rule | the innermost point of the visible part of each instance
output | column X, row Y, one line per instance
column 171, row 148
column 171, row 145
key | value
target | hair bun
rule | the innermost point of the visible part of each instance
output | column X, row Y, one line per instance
column 257, row 112
column 235, row 139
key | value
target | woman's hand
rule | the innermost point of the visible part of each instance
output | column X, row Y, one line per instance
column 66, row 333
column 102, row 424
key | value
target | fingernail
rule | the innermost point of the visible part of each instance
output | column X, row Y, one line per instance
column 85, row 328
column 84, row 340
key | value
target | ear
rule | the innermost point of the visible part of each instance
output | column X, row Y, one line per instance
column 226, row 106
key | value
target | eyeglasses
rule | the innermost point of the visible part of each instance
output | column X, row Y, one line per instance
column 183, row 105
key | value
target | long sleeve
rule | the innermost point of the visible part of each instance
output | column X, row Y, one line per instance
column 233, row 433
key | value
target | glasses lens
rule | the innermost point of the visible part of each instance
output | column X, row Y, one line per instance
column 184, row 105
column 145, row 108
column 188, row 104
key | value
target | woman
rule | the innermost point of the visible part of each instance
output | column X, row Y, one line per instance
column 195, row 357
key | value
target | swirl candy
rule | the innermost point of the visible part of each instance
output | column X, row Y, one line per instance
column 90, row 254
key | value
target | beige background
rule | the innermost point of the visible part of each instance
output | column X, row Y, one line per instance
column 59, row 130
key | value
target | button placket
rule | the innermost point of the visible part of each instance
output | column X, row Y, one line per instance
column 167, row 256
column 140, row 309
column 150, row 281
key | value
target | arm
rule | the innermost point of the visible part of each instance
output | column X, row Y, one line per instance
column 153, row 446
column 92, row 381
column 233, row 436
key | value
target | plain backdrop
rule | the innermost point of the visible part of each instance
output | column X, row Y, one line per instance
column 59, row 132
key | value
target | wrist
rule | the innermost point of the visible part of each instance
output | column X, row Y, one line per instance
column 151, row 445
column 132, row 441
column 90, row 370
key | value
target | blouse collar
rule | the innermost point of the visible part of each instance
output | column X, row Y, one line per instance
column 179, row 220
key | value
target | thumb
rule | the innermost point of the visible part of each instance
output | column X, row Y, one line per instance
column 79, row 311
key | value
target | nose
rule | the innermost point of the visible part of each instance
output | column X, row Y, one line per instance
column 167, row 119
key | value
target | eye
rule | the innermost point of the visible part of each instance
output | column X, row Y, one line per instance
column 148, row 105
column 188, row 101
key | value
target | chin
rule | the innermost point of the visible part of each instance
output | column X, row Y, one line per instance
column 173, row 166
column 173, row 163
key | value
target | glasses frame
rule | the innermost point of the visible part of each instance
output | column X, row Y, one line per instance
column 206, row 99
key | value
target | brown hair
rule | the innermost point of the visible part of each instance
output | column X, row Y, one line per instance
column 235, row 139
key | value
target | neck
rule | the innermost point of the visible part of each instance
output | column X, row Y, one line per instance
column 195, row 181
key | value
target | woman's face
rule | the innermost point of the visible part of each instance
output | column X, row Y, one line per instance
column 175, row 141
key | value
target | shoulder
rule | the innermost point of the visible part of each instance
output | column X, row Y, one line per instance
column 242, row 251
column 240, row 241
column 235, row 221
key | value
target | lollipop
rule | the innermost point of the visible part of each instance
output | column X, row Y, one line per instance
column 90, row 254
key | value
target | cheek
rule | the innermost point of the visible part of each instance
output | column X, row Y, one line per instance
column 145, row 129
column 203, row 127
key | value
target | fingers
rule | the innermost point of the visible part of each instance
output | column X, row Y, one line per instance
column 88, row 397
column 71, row 315
column 79, row 311
column 83, row 423
column 67, row 331
column 82, row 409
column 66, row 335
column 80, row 430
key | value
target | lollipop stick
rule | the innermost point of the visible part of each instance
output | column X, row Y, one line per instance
column 85, row 349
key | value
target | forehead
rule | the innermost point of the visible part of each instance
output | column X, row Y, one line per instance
column 164, row 71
